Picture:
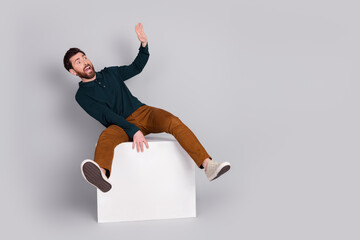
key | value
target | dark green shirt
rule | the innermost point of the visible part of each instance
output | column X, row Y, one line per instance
column 108, row 99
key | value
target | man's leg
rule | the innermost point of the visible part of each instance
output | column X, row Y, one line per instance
column 98, row 171
column 157, row 120
column 108, row 140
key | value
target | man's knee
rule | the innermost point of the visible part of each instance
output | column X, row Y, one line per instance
column 115, row 133
column 174, row 122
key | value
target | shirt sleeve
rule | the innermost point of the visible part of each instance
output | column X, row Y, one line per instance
column 105, row 115
column 128, row 71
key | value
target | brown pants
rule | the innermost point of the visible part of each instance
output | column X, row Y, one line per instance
column 150, row 120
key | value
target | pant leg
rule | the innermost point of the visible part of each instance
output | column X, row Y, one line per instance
column 157, row 120
column 108, row 140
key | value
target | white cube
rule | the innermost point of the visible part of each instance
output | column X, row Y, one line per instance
column 158, row 183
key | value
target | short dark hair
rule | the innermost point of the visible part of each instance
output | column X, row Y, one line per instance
column 71, row 52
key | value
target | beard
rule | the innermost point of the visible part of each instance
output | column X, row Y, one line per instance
column 86, row 75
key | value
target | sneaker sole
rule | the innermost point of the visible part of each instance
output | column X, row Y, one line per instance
column 92, row 173
column 224, row 167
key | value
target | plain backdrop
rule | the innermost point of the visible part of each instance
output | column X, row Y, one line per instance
column 270, row 86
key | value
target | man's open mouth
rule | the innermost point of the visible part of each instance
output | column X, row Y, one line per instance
column 87, row 69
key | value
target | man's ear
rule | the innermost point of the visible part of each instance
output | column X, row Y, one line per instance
column 72, row 71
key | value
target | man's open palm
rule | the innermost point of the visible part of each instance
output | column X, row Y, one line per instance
column 139, row 29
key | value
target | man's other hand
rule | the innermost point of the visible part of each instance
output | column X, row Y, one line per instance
column 138, row 140
column 139, row 29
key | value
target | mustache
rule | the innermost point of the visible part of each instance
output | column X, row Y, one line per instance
column 87, row 66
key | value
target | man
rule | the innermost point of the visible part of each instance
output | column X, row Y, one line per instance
column 105, row 97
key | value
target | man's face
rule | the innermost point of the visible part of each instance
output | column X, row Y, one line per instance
column 82, row 66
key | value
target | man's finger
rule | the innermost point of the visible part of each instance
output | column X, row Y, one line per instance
column 137, row 146
column 146, row 143
column 142, row 147
column 133, row 145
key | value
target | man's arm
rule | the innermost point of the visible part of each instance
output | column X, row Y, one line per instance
column 105, row 115
column 126, row 72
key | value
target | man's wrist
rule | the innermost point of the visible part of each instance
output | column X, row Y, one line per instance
column 143, row 44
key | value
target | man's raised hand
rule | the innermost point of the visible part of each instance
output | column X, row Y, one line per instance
column 139, row 29
column 138, row 140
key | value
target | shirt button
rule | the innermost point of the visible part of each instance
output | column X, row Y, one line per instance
column 99, row 82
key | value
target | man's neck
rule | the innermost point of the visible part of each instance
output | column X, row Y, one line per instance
column 88, row 80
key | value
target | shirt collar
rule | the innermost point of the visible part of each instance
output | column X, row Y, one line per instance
column 91, row 83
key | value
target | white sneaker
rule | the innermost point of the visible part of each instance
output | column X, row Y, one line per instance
column 92, row 173
column 214, row 169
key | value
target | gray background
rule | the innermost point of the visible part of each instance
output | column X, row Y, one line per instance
column 270, row 86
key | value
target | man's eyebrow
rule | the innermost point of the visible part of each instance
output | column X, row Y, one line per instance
column 79, row 58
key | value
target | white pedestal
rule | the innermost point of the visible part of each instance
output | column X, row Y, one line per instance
column 158, row 183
